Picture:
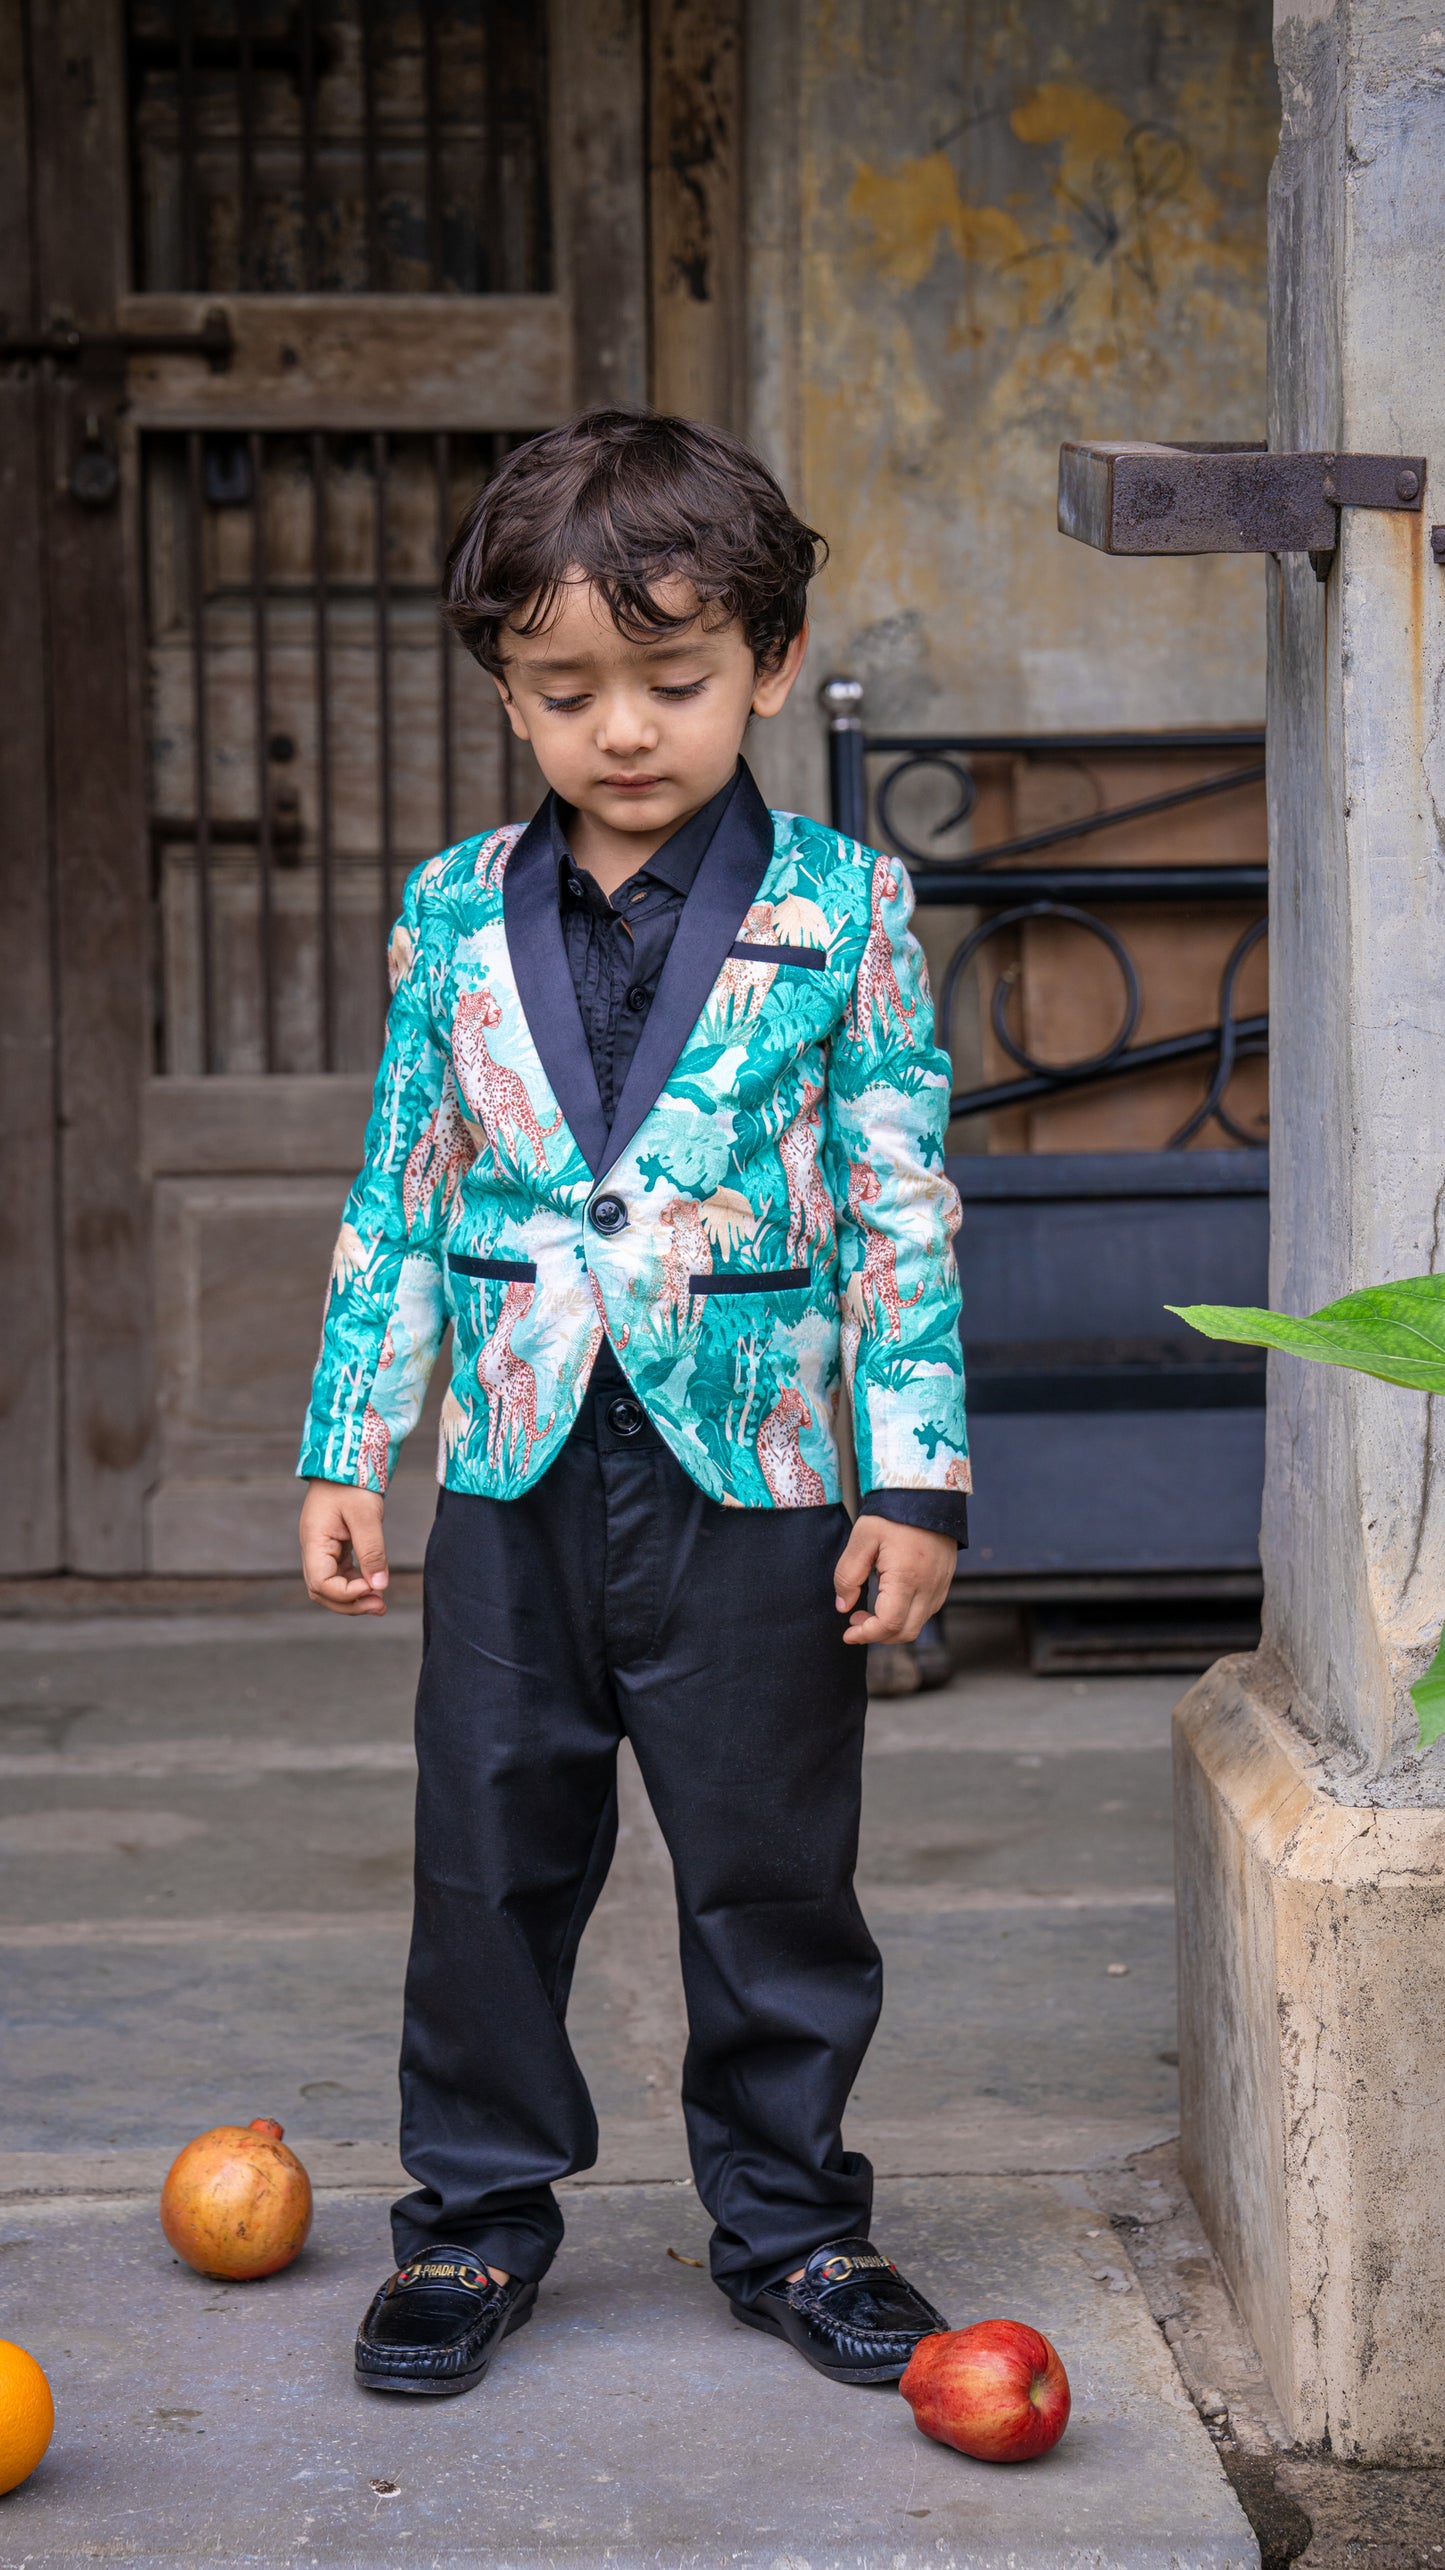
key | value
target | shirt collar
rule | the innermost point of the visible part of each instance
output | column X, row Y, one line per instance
column 676, row 862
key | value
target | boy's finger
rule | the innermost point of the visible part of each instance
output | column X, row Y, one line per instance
column 890, row 1617
column 341, row 1590
column 370, row 1551
column 347, row 1597
column 854, row 1565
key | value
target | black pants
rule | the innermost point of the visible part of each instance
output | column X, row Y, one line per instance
column 612, row 1599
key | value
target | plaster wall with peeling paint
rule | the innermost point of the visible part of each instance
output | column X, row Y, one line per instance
column 976, row 228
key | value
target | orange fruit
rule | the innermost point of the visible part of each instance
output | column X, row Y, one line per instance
column 27, row 2415
column 237, row 2203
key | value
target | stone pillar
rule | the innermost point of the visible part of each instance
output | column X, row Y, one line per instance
column 1311, row 1837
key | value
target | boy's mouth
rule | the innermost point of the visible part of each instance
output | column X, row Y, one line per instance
column 631, row 784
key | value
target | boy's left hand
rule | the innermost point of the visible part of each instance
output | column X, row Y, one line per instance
column 915, row 1572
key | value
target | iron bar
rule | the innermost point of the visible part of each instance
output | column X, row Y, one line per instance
column 499, row 447
column 97, row 349
column 371, row 180
column 379, row 467
column 1057, row 744
column 320, row 552
column 310, row 240
column 958, row 887
column 491, row 279
column 445, row 709
column 1251, row 1036
column 246, row 105
column 265, row 853
column 196, row 586
column 433, row 144
column 1212, row 1103
column 173, row 830
column 210, row 53
column 1062, row 830
column 842, row 700
column 191, row 278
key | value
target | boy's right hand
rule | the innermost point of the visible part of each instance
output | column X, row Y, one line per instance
column 343, row 1549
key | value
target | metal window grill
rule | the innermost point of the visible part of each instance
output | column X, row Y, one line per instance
column 884, row 789
column 315, row 731
column 339, row 146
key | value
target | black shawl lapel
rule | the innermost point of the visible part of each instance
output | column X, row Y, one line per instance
column 726, row 885
column 532, row 915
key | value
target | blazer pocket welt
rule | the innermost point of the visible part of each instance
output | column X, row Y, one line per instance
column 507, row 1271
column 813, row 959
column 765, row 1280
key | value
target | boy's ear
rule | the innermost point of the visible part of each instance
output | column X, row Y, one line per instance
column 513, row 716
column 775, row 686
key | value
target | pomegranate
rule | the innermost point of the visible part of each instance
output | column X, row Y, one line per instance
column 997, row 2391
column 237, row 2203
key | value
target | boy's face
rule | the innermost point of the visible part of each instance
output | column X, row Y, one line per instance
column 637, row 735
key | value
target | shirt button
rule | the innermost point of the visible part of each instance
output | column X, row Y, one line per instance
column 574, row 887
column 637, row 998
column 624, row 1417
column 608, row 1214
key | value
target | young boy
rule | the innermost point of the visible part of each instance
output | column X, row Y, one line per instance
column 659, row 1131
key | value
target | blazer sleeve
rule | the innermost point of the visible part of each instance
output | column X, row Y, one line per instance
column 385, row 1305
column 889, row 1088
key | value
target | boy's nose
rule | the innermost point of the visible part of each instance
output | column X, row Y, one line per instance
column 625, row 726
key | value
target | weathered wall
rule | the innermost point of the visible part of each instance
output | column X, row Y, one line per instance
column 976, row 228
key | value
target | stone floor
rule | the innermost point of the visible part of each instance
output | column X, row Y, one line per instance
column 204, row 1854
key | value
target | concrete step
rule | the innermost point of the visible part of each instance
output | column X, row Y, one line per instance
column 630, row 2425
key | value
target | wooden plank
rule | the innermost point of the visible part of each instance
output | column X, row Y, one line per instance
column 230, row 1397
column 30, row 1534
column 355, row 362
column 599, row 160
column 78, row 89
column 695, row 113
column 307, row 1125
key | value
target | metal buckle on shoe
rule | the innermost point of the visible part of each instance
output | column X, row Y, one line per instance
column 837, row 2268
column 432, row 2268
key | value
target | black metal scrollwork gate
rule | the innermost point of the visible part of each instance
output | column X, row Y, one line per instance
column 991, row 879
column 1117, row 1457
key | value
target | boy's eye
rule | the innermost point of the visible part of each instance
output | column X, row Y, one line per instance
column 675, row 694
column 563, row 704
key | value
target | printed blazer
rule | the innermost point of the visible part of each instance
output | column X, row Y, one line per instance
column 767, row 1217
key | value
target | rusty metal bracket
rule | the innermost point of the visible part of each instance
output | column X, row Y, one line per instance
column 1155, row 499
column 101, row 352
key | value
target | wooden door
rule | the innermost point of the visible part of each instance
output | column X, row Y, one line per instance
column 302, row 271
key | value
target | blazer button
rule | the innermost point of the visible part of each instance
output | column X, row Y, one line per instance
column 608, row 1214
column 624, row 1416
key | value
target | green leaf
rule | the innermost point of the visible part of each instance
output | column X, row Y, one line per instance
column 1429, row 1695
column 1396, row 1332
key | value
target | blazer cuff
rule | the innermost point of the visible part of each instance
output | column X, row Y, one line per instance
column 942, row 1512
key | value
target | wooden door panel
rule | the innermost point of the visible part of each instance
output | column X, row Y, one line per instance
column 30, row 1412
column 356, row 362
column 424, row 232
column 89, row 644
column 241, row 1264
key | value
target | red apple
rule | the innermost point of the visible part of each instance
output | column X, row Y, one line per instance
column 997, row 2391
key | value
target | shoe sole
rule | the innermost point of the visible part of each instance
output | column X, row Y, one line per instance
column 451, row 2385
column 865, row 2375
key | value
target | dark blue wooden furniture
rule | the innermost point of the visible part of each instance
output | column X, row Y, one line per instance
column 1106, row 1437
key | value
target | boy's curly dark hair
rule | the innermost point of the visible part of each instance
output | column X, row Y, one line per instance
column 627, row 500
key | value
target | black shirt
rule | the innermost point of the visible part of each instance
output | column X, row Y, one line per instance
column 616, row 949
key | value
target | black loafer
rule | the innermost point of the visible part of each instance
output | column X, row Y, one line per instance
column 436, row 2325
column 850, row 2313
